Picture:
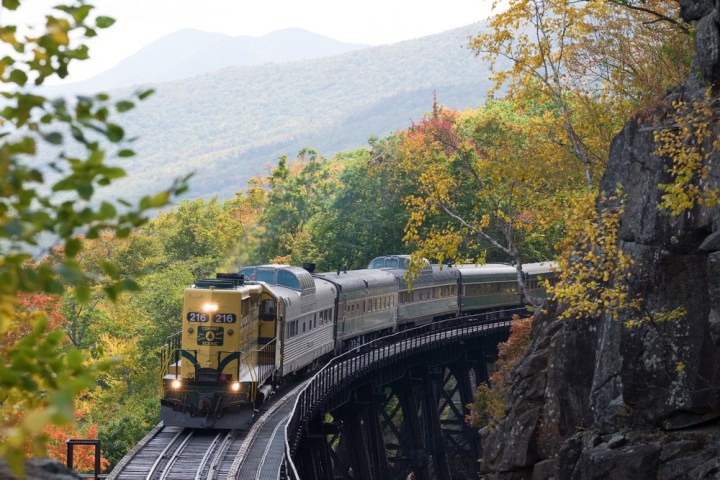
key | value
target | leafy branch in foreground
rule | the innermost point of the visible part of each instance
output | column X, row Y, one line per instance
column 55, row 155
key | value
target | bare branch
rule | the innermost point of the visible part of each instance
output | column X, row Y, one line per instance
column 659, row 16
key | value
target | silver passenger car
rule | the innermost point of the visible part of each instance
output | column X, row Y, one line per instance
column 306, row 309
column 367, row 304
column 432, row 295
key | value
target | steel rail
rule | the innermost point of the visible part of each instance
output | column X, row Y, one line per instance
column 211, row 449
column 160, row 457
column 133, row 453
column 258, row 474
column 259, row 424
column 214, row 470
column 174, row 457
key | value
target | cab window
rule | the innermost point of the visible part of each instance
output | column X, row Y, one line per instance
column 268, row 309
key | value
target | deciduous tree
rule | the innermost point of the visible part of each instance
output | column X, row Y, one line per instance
column 592, row 62
column 482, row 189
column 297, row 191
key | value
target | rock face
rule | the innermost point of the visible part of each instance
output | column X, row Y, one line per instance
column 593, row 399
column 40, row 469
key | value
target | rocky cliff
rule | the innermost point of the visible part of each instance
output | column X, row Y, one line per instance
column 594, row 399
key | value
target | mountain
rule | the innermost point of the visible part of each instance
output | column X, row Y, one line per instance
column 230, row 124
column 189, row 53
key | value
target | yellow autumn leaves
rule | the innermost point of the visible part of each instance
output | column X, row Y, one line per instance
column 689, row 142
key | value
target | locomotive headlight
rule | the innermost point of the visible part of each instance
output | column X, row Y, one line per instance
column 235, row 387
column 210, row 307
column 176, row 384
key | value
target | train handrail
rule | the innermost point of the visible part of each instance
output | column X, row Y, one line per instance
column 178, row 354
column 172, row 343
column 371, row 353
column 247, row 359
column 256, row 375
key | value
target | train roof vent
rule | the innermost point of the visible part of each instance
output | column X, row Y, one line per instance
column 224, row 281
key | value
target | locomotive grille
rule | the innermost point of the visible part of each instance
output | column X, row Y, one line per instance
column 207, row 375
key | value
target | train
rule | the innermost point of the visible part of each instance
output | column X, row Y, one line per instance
column 244, row 333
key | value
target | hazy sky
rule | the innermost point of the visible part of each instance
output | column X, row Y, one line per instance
column 374, row 22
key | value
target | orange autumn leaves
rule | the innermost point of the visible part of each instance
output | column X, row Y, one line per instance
column 31, row 309
column 489, row 406
column 83, row 455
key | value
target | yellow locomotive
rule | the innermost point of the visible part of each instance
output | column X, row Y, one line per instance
column 212, row 368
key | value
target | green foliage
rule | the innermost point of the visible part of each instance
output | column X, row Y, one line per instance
column 367, row 216
column 120, row 434
column 296, row 193
column 197, row 232
column 160, row 301
column 338, row 212
column 52, row 196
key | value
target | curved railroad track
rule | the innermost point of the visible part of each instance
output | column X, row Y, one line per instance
column 174, row 453
column 262, row 452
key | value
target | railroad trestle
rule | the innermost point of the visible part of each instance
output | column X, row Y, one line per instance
column 396, row 407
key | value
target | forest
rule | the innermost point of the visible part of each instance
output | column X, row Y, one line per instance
column 514, row 180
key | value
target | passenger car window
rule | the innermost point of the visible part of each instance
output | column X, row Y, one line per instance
column 378, row 263
column 288, row 279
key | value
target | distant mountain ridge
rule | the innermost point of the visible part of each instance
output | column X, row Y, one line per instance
column 189, row 53
column 231, row 124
